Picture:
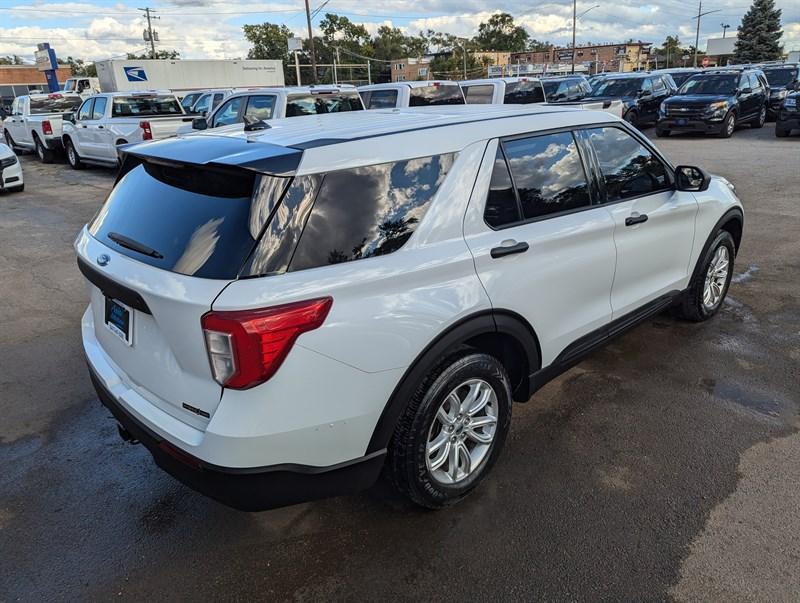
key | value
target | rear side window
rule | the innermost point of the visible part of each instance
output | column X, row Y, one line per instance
column 54, row 104
column 548, row 174
column 194, row 221
column 523, row 93
column 479, row 94
column 445, row 94
column 629, row 169
column 368, row 211
column 380, row 99
column 501, row 204
column 99, row 107
column 314, row 104
column 137, row 106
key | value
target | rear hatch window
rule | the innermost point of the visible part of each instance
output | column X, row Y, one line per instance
column 440, row 94
column 141, row 106
column 54, row 104
column 198, row 221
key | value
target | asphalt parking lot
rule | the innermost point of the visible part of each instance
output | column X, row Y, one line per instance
column 665, row 466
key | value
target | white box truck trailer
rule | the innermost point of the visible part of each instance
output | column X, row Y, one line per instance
column 184, row 75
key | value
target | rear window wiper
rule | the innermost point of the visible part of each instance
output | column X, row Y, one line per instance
column 129, row 243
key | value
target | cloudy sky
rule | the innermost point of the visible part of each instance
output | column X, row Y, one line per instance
column 97, row 29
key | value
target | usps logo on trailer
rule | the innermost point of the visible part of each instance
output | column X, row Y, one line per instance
column 135, row 74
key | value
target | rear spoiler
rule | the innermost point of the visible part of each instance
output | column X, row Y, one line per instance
column 219, row 151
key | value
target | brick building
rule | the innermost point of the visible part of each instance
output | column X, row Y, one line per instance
column 410, row 69
column 597, row 57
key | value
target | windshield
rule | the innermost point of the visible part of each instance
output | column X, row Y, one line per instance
column 780, row 77
column 425, row 96
column 681, row 76
column 618, row 87
column 523, row 93
column 710, row 84
column 54, row 104
column 313, row 104
column 145, row 105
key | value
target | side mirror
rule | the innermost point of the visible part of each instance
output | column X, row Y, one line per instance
column 746, row 90
column 691, row 178
column 70, row 117
column 644, row 93
column 199, row 123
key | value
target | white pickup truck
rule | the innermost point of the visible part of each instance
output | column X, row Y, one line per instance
column 106, row 121
column 35, row 123
column 528, row 90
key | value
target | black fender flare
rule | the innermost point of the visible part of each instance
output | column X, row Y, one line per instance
column 480, row 323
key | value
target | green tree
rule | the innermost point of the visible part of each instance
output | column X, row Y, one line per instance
column 501, row 33
column 271, row 41
column 11, row 60
column 759, row 34
column 535, row 45
column 670, row 52
column 160, row 54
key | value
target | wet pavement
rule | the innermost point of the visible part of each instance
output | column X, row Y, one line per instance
column 663, row 466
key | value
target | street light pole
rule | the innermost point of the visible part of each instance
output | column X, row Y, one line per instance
column 700, row 13
column 574, row 22
column 311, row 46
column 724, row 29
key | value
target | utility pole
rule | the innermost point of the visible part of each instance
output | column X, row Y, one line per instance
column 311, row 46
column 724, row 29
column 150, row 33
column 700, row 13
column 464, row 57
column 574, row 22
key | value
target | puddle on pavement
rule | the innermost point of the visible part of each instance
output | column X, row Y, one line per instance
column 755, row 401
column 745, row 276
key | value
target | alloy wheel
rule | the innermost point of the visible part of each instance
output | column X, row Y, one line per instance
column 462, row 432
column 716, row 278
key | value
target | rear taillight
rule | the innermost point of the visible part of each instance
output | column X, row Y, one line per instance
column 147, row 133
column 246, row 347
column 47, row 129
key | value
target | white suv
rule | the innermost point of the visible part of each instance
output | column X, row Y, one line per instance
column 282, row 314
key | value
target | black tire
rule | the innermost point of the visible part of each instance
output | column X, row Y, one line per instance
column 44, row 154
column 9, row 140
column 728, row 125
column 73, row 158
column 661, row 133
column 781, row 132
column 760, row 119
column 632, row 117
column 692, row 307
column 407, row 461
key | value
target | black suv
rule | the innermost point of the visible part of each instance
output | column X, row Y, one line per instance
column 679, row 74
column 782, row 78
column 788, row 118
column 641, row 93
column 565, row 89
column 716, row 102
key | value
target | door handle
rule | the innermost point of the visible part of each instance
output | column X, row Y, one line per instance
column 99, row 127
column 633, row 220
column 512, row 248
column 81, row 126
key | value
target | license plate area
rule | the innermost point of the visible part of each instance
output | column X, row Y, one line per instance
column 682, row 121
column 119, row 320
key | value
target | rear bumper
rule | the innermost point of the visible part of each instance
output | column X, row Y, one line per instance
column 676, row 124
column 247, row 489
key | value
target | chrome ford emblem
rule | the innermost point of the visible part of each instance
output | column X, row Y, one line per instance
column 103, row 259
column 684, row 108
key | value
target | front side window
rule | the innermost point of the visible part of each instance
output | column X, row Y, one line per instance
column 315, row 104
column 229, row 113
column 444, row 94
column 629, row 169
column 85, row 111
column 755, row 83
column 479, row 95
column 203, row 103
column 368, row 211
column 99, row 107
column 548, row 174
column 260, row 108
column 381, row 99
column 658, row 85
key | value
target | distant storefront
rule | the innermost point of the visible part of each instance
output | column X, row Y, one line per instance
column 16, row 80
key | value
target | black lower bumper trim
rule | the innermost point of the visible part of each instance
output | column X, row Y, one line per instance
column 256, row 489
